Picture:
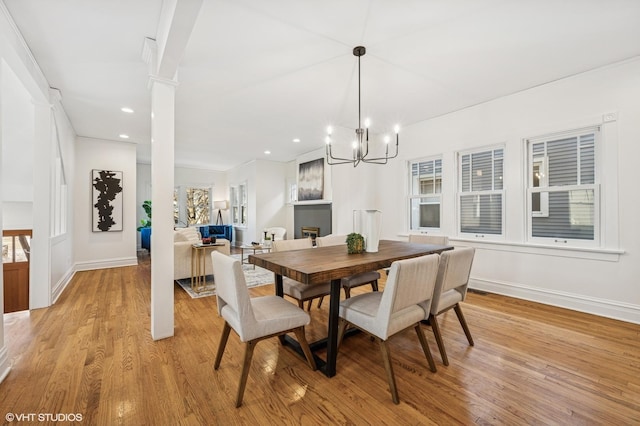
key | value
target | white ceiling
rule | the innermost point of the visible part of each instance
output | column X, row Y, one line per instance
column 257, row 74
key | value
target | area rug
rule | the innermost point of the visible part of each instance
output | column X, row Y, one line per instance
column 254, row 278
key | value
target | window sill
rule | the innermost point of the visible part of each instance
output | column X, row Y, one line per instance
column 604, row 254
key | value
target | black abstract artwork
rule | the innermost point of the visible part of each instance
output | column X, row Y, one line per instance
column 107, row 200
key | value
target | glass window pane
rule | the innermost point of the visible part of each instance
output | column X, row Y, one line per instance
column 481, row 171
column 425, row 212
column 481, row 214
column 465, row 165
column 7, row 249
column 587, row 159
column 571, row 215
column 563, row 161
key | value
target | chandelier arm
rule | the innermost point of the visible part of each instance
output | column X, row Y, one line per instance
column 336, row 160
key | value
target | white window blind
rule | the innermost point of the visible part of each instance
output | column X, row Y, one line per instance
column 564, row 195
column 481, row 195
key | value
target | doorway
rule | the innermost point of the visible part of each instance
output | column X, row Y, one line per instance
column 16, row 254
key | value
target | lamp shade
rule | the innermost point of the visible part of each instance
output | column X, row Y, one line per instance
column 221, row 205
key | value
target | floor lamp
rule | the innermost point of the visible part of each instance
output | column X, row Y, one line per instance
column 220, row 205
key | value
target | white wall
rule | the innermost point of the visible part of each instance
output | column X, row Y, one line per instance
column 266, row 182
column 96, row 250
column 596, row 281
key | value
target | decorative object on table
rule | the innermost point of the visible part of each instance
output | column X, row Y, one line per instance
column 254, row 278
column 208, row 240
column 220, row 205
column 360, row 146
column 311, row 180
column 367, row 223
column 106, row 200
column 355, row 243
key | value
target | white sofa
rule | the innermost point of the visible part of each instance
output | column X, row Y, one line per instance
column 183, row 239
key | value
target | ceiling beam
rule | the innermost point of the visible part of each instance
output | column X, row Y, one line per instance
column 177, row 20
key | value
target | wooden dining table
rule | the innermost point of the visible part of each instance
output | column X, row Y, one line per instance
column 322, row 264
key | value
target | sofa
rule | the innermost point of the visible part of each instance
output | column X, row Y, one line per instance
column 217, row 231
column 183, row 239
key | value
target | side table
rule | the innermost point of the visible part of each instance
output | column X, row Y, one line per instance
column 253, row 247
column 198, row 270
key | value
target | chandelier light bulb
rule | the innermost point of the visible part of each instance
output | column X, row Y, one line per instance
column 329, row 130
column 367, row 123
column 396, row 129
column 387, row 139
column 327, row 140
column 354, row 145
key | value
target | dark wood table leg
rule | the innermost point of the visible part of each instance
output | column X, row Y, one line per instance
column 279, row 288
column 329, row 369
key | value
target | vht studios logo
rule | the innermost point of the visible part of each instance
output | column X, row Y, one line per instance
column 43, row 417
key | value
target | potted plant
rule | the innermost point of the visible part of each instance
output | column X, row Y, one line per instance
column 355, row 243
column 146, row 223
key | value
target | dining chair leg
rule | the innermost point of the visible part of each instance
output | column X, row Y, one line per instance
column 320, row 301
column 425, row 347
column 463, row 323
column 246, row 365
column 347, row 292
column 222, row 344
column 300, row 304
column 374, row 285
column 436, row 332
column 305, row 347
column 342, row 327
column 386, row 359
column 309, row 305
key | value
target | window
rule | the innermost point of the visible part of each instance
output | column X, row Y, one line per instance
column 562, row 190
column 198, row 206
column 425, row 194
column 192, row 205
column 481, row 192
column 239, row 207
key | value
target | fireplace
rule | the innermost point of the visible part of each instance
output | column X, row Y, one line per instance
column 312, row 220
column 310, row 231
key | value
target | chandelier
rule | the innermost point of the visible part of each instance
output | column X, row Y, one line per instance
column 360, row 145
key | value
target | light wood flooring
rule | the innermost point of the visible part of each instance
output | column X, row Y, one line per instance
column 92, row 353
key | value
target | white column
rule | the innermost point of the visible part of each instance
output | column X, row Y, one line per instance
column 5, row 365
column 40, row 264
column 162, row 158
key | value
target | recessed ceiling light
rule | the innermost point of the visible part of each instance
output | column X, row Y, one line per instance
column 267, row 152
column 123, row 136
column 127, row 110
column 296, row 140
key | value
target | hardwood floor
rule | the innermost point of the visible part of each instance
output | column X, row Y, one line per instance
column 91, row 353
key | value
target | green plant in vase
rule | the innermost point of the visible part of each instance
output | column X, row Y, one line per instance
column 146, row 223
column 355, row 243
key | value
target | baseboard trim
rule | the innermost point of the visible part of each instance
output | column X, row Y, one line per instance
column 5, row 365
column 601, row 307
column 105, row 264
column 59, row 287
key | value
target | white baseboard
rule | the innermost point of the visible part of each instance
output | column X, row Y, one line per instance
column 5, row 365
column 601, row 307
column 104, row 264
column 59, row 287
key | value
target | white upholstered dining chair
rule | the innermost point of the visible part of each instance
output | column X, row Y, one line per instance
column 253, row 319
column 450, row 290
column 441, row 240
column 383, row 314
column 292, row 288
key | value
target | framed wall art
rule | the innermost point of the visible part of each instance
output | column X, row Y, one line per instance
column 311, row 180
column 106, row 189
